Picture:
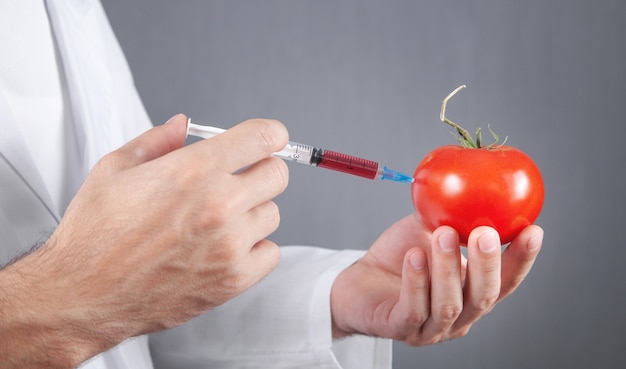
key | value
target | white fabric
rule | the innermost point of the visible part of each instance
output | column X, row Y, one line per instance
column 288, row 312
column 31, row 76
column 283, row 322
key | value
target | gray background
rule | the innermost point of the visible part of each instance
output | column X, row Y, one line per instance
column 367, row 78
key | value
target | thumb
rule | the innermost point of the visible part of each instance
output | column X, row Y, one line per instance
column 152, row 144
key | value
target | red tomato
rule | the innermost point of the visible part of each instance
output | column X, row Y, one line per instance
column 465, row 188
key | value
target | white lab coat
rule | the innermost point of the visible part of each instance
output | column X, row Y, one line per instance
column 283, row 322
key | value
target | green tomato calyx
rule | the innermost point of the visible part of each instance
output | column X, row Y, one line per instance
column 464, row 137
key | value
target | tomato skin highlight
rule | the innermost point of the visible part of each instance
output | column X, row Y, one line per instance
column 464, row 188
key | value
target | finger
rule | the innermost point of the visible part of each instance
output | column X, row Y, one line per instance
column 261, row 182
column 413, row 307
column 262, row 260
column 259, row 223
column 482, row 286
column 244, row 144
column 253, row 267
column 446, row 291
column 154, row 143
column 255, row 256
column 518, row 258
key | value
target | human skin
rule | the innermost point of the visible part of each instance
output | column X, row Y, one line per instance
column 159, row 234
column 415, row 286
column 156, row 235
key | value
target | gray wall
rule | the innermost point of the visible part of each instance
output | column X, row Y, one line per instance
column 367, row 78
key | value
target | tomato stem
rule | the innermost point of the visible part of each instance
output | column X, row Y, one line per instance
column 466, row 139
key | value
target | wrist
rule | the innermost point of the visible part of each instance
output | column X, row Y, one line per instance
column 342, row 303
column 37, row 329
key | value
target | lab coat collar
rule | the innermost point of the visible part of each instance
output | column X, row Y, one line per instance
column 90, row 102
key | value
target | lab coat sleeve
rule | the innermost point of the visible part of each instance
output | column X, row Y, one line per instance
column 282, row 322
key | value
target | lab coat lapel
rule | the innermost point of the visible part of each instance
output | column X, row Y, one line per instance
column 88, row 80
column 18, row 161
column 89, row 102
column 90, row 111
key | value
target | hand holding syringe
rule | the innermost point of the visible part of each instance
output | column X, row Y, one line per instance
column 310, row 155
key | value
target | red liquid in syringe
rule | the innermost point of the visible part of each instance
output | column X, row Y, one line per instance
column 347, row 164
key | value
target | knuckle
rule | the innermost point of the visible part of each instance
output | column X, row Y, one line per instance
column 461, row 332
column 509, row 286
column 235, row 282
column 269, row 259
column 272, row 134
column 415, row 320
column 194, row 173
column 448, row 313
column 227, row 286
column 280, row 173
column 216, row 215
column 226, row 252
column 274, row 257
column 434, row 340
column 486, row 303
column 218, row 209
column 418, row 340
column 415, row 341
column 188, row 178
column 111, row 161
column 273, row 215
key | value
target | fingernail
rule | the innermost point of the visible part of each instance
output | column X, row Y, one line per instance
column 448, row 241
column 172, row 118
column 535, row 241
column 417, row 260
column 488, row 242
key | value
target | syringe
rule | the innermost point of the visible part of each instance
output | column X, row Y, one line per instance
column 314, row 156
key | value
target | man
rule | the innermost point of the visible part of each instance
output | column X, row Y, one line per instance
column 159, row 233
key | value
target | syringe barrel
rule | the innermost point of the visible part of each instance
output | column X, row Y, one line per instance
column 345, row 163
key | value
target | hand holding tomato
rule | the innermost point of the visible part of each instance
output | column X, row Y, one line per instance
column 417, row 287
column 473, row 185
